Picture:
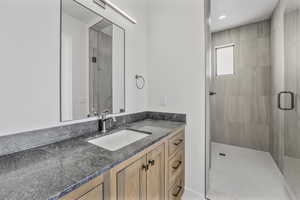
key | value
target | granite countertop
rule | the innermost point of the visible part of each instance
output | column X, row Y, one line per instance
column 51, row 171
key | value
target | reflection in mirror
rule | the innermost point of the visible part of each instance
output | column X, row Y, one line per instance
column 92, row 64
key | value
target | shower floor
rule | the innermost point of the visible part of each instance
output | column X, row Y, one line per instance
column 244, row 174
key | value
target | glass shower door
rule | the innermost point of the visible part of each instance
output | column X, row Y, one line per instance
column 289, row 101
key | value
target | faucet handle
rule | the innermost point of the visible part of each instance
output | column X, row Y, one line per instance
column 96, row 113
column 111, row 121
column 104, row 113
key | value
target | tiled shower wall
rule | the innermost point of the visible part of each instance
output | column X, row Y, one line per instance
column 240, row 110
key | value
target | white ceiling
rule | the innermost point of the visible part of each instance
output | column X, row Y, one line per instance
column 239, row 12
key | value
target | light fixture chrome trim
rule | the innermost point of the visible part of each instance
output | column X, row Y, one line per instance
column 103, row 3
column 100, row 3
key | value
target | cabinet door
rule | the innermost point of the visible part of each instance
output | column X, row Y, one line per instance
column 131, row 181
column 95, row 194
column 156, row 174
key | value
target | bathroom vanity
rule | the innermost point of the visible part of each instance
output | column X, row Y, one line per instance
column 156, row 172
column 75, row 169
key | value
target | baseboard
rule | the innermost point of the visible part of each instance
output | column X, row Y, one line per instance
column 190, row 194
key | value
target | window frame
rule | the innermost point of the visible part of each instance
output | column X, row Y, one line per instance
column 233, row 45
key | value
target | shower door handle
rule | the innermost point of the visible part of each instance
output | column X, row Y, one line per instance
column 292, row 95
column 210, row 93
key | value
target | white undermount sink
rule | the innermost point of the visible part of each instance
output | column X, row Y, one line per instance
column 118, row 140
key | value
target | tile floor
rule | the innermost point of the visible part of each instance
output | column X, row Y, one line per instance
column 244, row 174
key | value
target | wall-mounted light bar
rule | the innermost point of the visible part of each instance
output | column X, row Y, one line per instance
column 103, row 3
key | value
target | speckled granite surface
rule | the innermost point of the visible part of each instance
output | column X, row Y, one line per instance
column 51, row 171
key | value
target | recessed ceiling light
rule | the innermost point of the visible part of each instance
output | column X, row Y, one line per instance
column 222, row 17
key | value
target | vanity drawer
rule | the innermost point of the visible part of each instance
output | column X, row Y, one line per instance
column 176, row 142
column 176, row 191
column 176, row 167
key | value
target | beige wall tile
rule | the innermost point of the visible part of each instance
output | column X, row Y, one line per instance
column 242, row 104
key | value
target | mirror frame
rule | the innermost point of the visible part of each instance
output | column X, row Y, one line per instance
column 60, row 60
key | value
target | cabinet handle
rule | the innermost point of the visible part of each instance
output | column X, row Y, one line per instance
column 151, row 162
column 178, row 142
column 178, row 192
column 145, row 167
column 178, row 165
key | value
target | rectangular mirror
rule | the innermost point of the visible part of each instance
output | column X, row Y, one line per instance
column 92, row 63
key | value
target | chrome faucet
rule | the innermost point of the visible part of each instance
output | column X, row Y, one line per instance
column 104, row 119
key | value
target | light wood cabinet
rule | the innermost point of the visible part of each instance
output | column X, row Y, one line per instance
column 176, row 165
column 143, row 179
column 176, row 142
column 176, row 190
column 131, row 181
column 156, row 173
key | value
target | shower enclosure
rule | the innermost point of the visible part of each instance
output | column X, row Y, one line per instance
column 277, row 128
column 288, row 100
column 285, row 87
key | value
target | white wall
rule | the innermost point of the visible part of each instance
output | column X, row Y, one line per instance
column 176, row 75
column 66, row 78
column 29, row 64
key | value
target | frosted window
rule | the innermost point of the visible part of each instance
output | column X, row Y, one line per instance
column 225, row 60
